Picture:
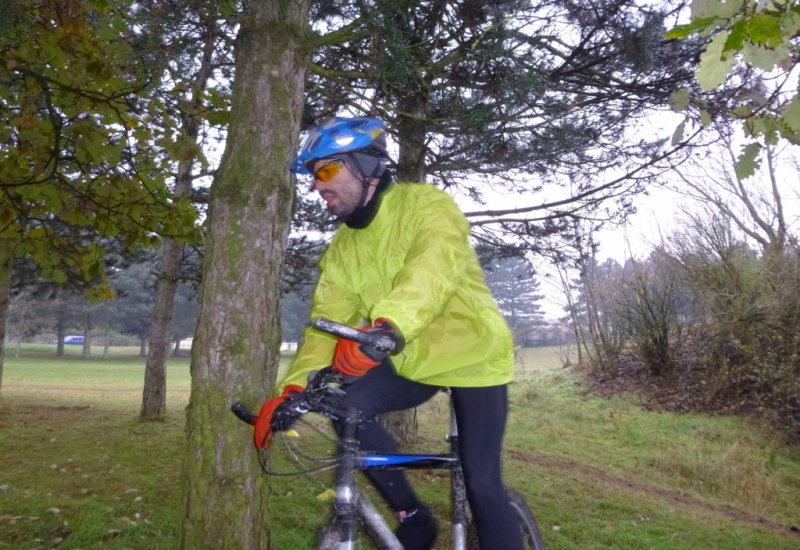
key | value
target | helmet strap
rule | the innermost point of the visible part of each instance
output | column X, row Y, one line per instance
column 365, row 179
column 364, row 190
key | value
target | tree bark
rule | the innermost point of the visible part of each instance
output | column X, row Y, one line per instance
column 87, row 335
column 61, row 326
column 5, row 301
column 237, row 344
column 154, row 392
column 106, row 344
column 403, row 425
column 411, row 139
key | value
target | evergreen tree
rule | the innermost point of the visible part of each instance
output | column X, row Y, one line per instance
column 517, row 291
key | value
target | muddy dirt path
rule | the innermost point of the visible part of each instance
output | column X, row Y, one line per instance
column 661, row 493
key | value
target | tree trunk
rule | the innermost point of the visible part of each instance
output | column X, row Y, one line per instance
column 237, row 343
column 87, row 335
column 106, row 344
column 154, row 393
column 411, row 139
column 410, row 167
column 61, row 326
column 5, row 302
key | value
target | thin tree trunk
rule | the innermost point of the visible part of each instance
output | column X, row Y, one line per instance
column 154, row 393
column 237, row 344
column 5, row 303
column 61, row 326
column 87, row 335
column 106, row 344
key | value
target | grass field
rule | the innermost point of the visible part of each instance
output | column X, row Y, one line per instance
column 78, row 470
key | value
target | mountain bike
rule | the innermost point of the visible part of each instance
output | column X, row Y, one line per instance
column 352, row 507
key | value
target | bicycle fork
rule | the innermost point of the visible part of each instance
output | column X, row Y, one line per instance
column 349, row 504
column 344, row 493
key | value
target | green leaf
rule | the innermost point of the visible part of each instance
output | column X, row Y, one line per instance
column 736, row 38
column 791, row 114
column 702, row 25
column 677, row 136
column 764, row 29
column 219, row 118
column 705, row 118
column 748, row 161
column 700, row 8
column 679, row 100
column 724, row 9
column 792, row 137
column 216, row 98
column 764, row 58
column 790, row 23
column 58, row 276
column 714, row 65
column 766, row 126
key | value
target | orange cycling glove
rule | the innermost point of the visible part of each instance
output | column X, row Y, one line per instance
column 263, row 426
column 354, row 359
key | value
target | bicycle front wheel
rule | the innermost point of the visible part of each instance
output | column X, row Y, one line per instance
column 531, row 536
column 527, row 522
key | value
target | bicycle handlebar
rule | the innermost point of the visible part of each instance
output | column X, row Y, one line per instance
column 378, row 341
column 243, row 413
column 318, row 396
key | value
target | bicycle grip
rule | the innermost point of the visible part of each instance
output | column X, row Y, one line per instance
column 379, row 341
column 243, row 413
column 340, row 330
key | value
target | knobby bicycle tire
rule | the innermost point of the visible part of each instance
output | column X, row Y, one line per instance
column 531, row 536
column 527, row 521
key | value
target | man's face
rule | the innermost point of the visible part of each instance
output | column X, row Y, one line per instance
column 342, row 193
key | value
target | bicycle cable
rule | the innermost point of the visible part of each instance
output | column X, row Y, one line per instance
column 299, row 457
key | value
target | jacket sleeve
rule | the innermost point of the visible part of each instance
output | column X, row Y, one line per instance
column 331, row 300
column 433, row 267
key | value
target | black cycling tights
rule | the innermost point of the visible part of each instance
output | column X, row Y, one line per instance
column 481, row 416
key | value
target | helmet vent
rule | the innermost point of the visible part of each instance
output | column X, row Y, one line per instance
column 344, row 141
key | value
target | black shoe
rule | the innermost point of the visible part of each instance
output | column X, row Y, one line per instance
column 418, row 530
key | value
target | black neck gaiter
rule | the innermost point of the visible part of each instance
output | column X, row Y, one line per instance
column 363, row 215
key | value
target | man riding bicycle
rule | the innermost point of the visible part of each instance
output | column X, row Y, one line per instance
column 401, row 264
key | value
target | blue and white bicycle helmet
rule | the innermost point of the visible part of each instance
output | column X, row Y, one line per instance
column 340, row 136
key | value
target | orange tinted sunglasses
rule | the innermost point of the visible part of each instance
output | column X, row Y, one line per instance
column 326, row 172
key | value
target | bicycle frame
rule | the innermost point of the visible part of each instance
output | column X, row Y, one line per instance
column 350, row 506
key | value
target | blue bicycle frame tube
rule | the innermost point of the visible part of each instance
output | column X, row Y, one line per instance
column 405, row 461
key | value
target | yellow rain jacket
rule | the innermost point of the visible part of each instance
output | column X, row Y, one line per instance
column 414, row 265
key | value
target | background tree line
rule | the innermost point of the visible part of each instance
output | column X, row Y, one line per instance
column 48, row 313
column 711, row 316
